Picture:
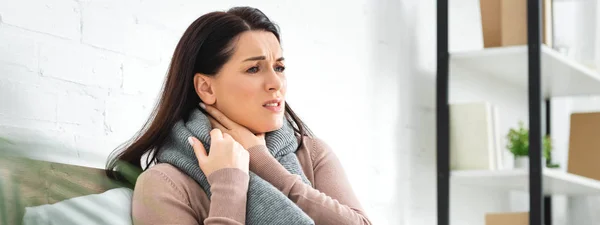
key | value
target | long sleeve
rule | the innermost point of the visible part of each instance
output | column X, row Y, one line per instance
column 159, row 199
column 332, row 201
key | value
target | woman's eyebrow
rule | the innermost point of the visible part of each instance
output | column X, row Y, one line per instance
column 256, row 58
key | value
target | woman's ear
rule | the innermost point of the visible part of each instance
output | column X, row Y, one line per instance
column 204, row 89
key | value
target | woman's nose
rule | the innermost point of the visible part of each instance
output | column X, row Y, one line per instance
column 274, row 81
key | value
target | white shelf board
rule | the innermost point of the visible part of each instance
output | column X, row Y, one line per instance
column 561, row 76
column 555, row 182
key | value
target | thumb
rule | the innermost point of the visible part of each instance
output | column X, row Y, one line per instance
column 198, row 149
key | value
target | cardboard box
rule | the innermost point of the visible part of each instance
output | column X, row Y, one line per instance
column 504, row 22
column 513, row 218
column 584, row 145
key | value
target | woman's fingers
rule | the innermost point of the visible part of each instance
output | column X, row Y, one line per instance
column 198, row 149
column 219, row 116
column 216, row 135
column 226, row 136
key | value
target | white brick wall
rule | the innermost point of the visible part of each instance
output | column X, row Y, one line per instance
column 152, row 74
column 21, row 97
column 17, row 48
column 108, row 32
column 58, row 18
column 80, row 63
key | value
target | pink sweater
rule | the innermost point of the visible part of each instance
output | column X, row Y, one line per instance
column 165, row 195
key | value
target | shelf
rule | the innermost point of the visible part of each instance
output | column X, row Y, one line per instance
column 561, row 76
column 556, row 182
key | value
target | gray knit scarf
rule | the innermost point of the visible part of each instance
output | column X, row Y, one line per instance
column 265, row 203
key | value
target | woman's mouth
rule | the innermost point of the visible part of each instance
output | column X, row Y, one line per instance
column 275, row 105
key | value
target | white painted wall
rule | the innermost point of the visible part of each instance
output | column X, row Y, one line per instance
column 577, row 27
column 597, row 36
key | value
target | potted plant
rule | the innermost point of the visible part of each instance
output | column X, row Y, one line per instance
column 518, row 145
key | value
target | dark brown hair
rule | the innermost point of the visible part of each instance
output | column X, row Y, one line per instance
column 204, row 47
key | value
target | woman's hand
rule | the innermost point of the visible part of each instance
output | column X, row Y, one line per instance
column 240, row 133
column 224, row 153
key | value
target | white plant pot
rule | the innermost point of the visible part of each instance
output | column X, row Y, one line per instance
column 523, row 162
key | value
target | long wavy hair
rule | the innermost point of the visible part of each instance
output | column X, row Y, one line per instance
column 204, row 47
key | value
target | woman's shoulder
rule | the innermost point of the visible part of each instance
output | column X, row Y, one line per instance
column 316, row 147
column 165, row 172
column 167, row 177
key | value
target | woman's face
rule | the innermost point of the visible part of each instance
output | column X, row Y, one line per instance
column 250, row 88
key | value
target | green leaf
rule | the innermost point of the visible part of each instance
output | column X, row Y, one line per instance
column 553, row 165
column 518, row 143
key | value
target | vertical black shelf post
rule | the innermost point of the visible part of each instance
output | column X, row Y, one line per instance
column 443, row 116
column 548, row 199
column 535, row 112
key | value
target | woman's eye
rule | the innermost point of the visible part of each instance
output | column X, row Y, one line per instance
column 280, row 69
column 253, row 69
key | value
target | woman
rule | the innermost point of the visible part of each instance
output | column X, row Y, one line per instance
column 223, row 145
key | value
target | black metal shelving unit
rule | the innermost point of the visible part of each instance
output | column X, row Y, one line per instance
column 539, row 206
